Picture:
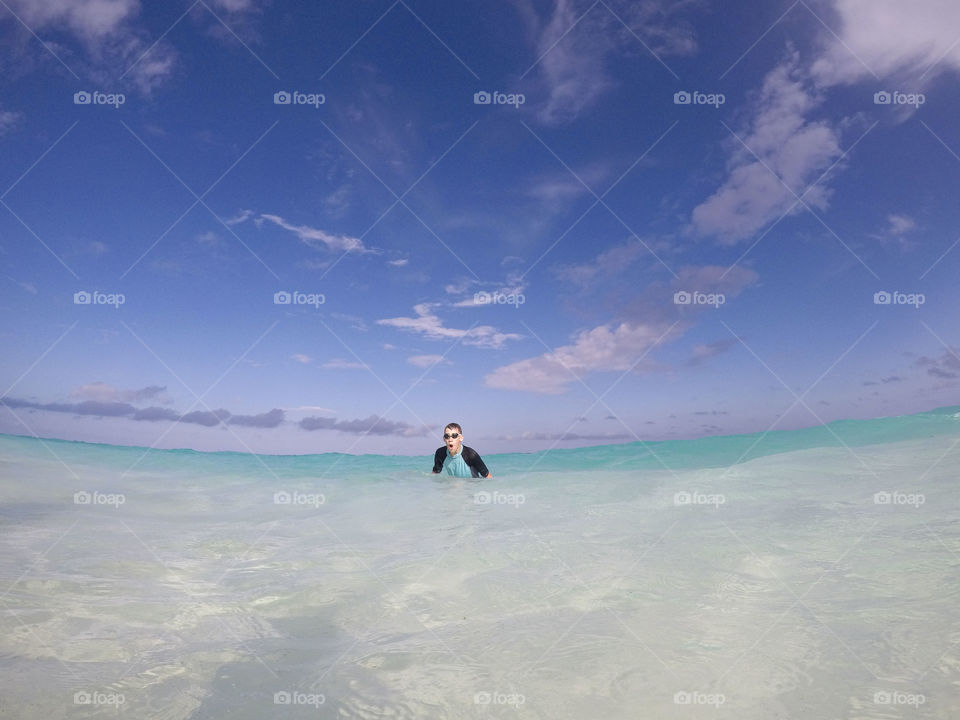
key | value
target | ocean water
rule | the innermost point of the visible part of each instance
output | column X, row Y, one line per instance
column 802, row 574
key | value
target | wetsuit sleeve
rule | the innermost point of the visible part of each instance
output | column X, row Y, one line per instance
column 473, row 459
column 438, row 459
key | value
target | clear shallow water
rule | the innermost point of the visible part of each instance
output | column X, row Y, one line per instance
column 779, row 587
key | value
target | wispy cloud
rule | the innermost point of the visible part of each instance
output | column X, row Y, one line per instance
column 320, row 239
column 575, row 42
column 341, row 364
column 915, row 41
column 8, row 121
column 106, row 393
column 425, row 360
column 702, row 353
column 945, row 366
column 652, row 320
column 900, row 224
column 110, row 39
column 372, row 425
column 604, row 348
column 486, row 294
column 428, row 324
column 774, row 160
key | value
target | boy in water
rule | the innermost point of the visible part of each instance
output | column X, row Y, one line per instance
column 456, row 458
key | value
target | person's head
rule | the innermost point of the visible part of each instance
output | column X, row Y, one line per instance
column 453, row 437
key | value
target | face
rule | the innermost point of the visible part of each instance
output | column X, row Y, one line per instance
column 453, row 443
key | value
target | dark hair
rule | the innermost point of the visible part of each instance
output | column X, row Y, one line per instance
column 455, row 426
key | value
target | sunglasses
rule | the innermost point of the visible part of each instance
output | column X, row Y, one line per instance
column 447, row 436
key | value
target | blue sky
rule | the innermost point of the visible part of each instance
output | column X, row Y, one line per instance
column 520, row 266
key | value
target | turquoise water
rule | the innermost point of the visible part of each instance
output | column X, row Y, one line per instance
column 814, row 574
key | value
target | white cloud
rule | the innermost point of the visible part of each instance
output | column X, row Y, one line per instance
column 312, row 264
column 341, row 364
column 898, row 231
column 900, row 224
column 890, row 38
column 317, row 238
column 8, row 120
column 513, row 285
column 240, row 217
column 796, row 149
column 573, row 67
column 610, row 262
column 604, row 348
column 91, row 20
column 430, row 325
column 235, row 5
column 209, row 238
column 557, row 190
column 617, row 346
column 106, row 393
column 301, row 358
column 106, row 29
column 895, row 45
column 425, row 360
column 575, row 43
column 702, row 353
column 402, row 262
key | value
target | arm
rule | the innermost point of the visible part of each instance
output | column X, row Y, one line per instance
column 438, row 457
column 473, row 459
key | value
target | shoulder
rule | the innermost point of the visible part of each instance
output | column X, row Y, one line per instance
column 440, row 451
column 469, row 452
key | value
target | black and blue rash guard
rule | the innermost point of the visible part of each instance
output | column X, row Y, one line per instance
column 467, row 460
